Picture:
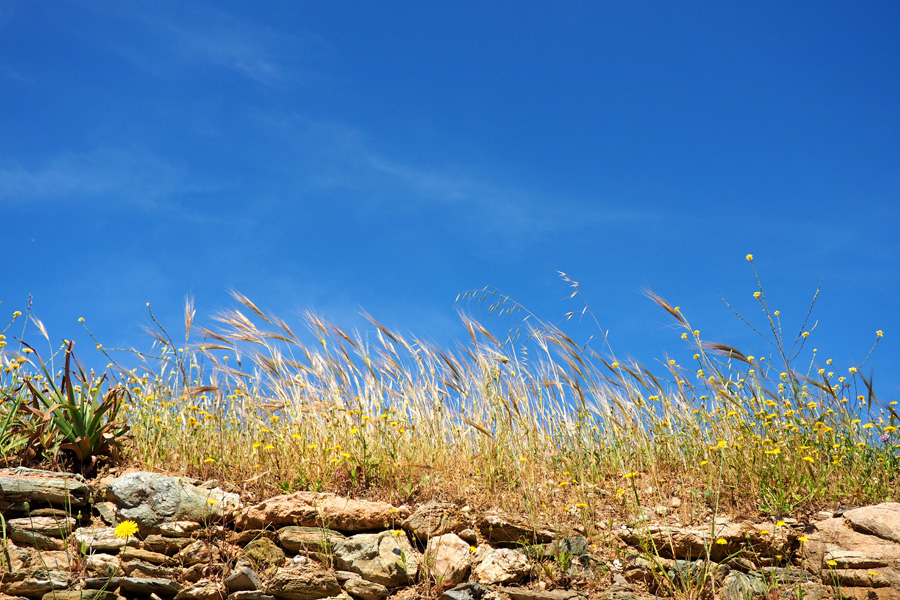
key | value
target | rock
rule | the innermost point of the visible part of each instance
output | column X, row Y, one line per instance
column 365, row 590
column 150, row 499
column 37, row 540
column 102, row 564
column 101, row 539
column 433, row 519
column 738, row 586
column 857, row 549
column 107, row 512
column 263, row 556
column 143, row 586
column 13, row 559
column 155, row 558
column 508, row 529
column 691, row 543
column 244, row 537
column 250, row 595
column 195, row 553
column 80, row 595
column 882, row 520
column 384, row 557
column 448, row 559
column 55, row 560
column 319, row 509
column 314, row 540
column 34, row 583
column 303, row 582
column 54, row 527
column 242, row 578
column 137, row 568
column 519, row 593
column 34, row 486
column 465, row 591
column 166, row 545
column 178, row 529
column 503, row 565
column 202, row 590
column 469, row 535
column 624, row 591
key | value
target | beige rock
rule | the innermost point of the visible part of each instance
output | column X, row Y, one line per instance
column 448, row 559
column 365, row 590
column 303, row 582
column 857, row 550
column 34, row 583
column 59, row 560
column 316, row 540
column 101, row 539
column 433, row 519
column 502, row 565
column 196, row 553
column 102, row 564
column 319, row 509
column 155, row 558
column 54, row 527
column 498, row 527
column 202, row 590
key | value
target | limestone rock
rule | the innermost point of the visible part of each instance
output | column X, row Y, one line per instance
column 102, row 564
column 143, row 586
column 101, row 539
column 520, row 593
column 202, row 590
column 691, row 543
column 55, row 527
column 196, row 553
column 499, row 527
column 34, row 583
column 857, row 550
column 166, row 545
column 384, row 557
column 35, row 487
column 80, row 595
column 59, row 560
column 14, row 559
column 319, row 509
column 433, row 519
column 315, row 540
column 150, row 499
column 129, row 553
column 303, row 582
column 448, row 559
column 365, row 590
column 503, row 565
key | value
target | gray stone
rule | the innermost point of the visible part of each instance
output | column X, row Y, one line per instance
column 315, row 540
column 365, row 590
column 624, row 591
column 129, row 553
column 34, row 486
column 303, row 582
column 166, row 545
column 385, row 558
column 102, row 564
column 151, row 499
column 738, row 586
column 520, row 593
column 138, row 568
column 37, row 540
column 465, row 591
column 14, row 559
column 242, row 579
column 250, row 595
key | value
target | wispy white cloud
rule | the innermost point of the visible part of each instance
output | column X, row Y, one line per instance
column 339, row 156
column 173, row 36
column 122, row 178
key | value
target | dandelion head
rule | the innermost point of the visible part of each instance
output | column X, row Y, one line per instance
column 126, row 529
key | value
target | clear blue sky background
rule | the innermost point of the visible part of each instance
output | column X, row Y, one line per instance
column 339, row 156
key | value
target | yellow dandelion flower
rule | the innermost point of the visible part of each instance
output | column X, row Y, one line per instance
column 780, row 524
column 629, row 475
column 832, row 563
column 879, row 333
column 750, row 257
column 803, row 538
column 721, row 541
column 397, row 532
column 756, row 295
column 126, row 529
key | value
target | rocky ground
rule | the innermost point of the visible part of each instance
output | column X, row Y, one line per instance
column 196, row 541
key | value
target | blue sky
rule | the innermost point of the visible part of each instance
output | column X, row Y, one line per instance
column 348, row 156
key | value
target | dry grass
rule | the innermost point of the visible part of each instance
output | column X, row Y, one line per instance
column 531, row 421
